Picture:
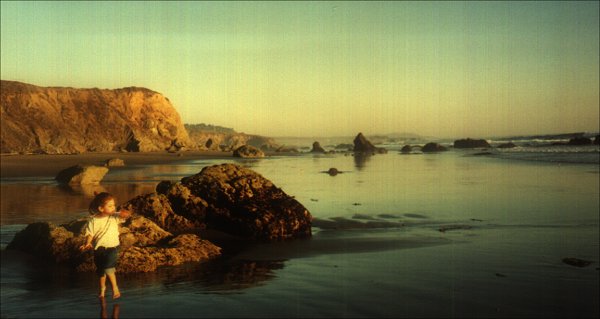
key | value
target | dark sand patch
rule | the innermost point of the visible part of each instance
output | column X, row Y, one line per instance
column 416, row 216
column 345, row 223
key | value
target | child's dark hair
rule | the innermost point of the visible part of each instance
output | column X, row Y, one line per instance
column 99, row 200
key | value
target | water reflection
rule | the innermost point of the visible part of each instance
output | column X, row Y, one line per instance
column 360, row 159
column 115, row 310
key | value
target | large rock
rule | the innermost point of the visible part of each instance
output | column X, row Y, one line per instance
column 58, row 120
column 244, row 203
column 144, row 246
column 82, row 174
column 470, row 143
column 362, row 145
column 316, row 148
column 248, row 151
column 433, row 148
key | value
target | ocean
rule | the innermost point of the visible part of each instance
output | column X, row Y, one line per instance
column 462, row 233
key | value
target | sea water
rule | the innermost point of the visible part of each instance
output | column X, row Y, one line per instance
column 418, row 235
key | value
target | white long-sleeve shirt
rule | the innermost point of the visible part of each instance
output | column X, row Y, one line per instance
column 104, row 231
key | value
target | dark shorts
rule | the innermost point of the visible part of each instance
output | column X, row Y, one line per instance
column 105, row 260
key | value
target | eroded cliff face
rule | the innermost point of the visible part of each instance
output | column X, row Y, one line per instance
column 58, row 120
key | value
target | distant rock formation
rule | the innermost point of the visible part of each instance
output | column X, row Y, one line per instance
column 578, row 141
column 81, row 174
column 225, row 139
column 316, row 148
column 248, row 151
column 364, row 146
column 507, row 145
column 433, row 148
column 59, row 120
column 406, row 149
column 470, row 143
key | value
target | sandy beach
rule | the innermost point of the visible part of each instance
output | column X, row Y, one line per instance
column 49, row 165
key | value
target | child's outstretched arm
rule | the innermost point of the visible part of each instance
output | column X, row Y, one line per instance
column 88, row 243
column 124, row 214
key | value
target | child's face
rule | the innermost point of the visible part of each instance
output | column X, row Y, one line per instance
column 108, row 208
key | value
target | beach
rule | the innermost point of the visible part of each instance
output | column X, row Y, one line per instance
column 420, row 235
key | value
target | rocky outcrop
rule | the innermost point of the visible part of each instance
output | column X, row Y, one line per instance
column 316, row 148
column 212, row 138
column 243, row 203
column 144, row 246
column 248, row 151
column 470, row 143
column 81, row 174
column 163, row 230
column 433, row 148
column 59, row 120
column 362, row 145
column 579, row 141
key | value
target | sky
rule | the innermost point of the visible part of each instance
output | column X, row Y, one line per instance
column 443, row 69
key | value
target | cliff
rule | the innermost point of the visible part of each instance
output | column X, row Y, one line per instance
column 59, row 120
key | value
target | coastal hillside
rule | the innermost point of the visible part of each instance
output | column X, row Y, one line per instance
column 61, row 120
column 216, row 138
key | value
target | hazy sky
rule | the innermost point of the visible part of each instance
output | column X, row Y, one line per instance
column 446, row 69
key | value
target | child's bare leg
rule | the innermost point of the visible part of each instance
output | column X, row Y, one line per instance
column 102, row 286
column 113, row 283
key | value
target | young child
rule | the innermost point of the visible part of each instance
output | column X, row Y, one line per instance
column 102, row 234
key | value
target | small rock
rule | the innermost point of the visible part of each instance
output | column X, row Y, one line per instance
column 113, row 162
column 333, row 171
column 82, row 174
column 576, row 262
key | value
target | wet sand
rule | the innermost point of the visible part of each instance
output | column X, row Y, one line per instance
column 49, row 165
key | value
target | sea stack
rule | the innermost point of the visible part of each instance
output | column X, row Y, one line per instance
column 364, row 146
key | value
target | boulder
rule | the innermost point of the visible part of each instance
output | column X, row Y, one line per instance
column 241, row 202
column 82, row 174
column 406, row 149
column 144, row 246
column 362, row 145
column 316, row 148
column 469, row 143
column 113, row 162
column 433, row 147
column 247, row 151
column 578, row 141
column 507, row 145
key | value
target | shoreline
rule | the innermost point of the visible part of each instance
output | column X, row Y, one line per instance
column 43, row 165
